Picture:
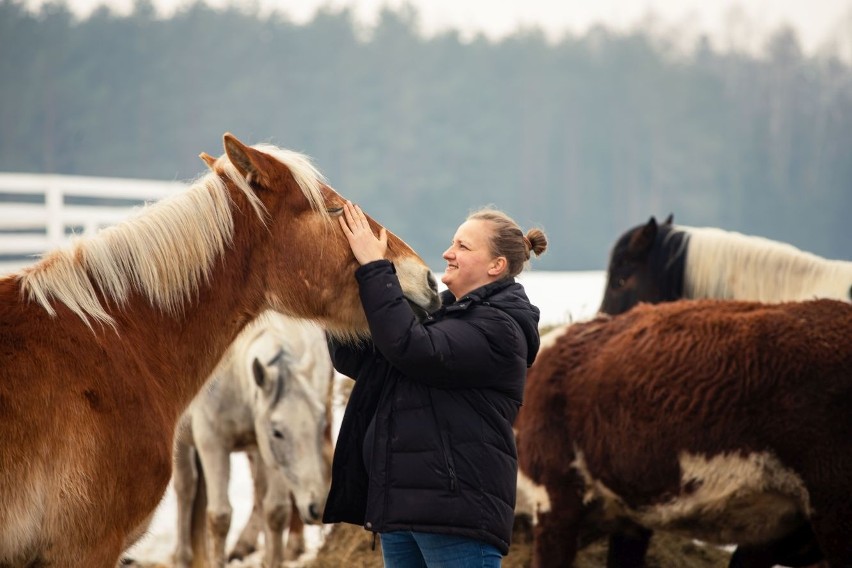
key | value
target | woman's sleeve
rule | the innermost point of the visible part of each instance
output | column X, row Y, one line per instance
column 453, row 353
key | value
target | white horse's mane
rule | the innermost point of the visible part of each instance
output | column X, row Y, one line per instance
column 296, row 334
column 164, row 251
column 729, row 265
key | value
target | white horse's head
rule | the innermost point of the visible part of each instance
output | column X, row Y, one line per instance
column 293, row 377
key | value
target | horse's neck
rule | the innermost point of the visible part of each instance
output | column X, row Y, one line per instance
column 733, row 266
column 186, row 347
column 209, row 326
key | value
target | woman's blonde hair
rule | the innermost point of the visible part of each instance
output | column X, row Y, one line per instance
column 508, row 240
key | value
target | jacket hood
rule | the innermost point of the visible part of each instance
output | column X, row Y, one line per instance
column 510, row 297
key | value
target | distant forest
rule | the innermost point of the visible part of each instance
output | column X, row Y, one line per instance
column 583, row 137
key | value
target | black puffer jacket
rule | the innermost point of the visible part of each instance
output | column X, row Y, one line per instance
column 439, row 399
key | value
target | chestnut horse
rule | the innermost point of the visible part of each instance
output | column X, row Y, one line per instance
column 663, row 262
column 105, row 342
column 724, row 421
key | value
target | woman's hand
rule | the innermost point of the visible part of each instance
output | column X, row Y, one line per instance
column 365, row 246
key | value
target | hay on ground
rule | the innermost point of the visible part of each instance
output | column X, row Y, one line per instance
column 348, row 545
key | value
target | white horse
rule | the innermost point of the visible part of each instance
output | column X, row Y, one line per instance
column 270, row 397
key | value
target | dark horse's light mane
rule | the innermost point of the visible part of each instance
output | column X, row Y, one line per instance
column 164, row 251
column 717, row 260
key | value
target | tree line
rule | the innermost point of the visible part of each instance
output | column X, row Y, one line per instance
column 584, row 136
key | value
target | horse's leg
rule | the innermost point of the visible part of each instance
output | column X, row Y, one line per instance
column 105, row 553
column 276, row 516
column 832, row 523
column 247, row 542
column 184, row 481
column 133, row 538
column 556, row 537
column 798, row 549
column 296, row 534
column 627, row 548
column 215, row 461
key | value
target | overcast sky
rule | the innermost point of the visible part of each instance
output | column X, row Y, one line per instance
column 814, row 20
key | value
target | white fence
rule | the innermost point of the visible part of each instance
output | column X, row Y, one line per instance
column 41, row 212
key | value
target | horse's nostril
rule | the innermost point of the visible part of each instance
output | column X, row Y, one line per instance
column 313, row 511
column 433, row 284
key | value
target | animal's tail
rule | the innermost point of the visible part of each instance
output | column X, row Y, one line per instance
column 198, row 518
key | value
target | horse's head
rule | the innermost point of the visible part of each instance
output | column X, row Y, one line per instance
column 290, row 417
column 298, row 223
column 641, row 268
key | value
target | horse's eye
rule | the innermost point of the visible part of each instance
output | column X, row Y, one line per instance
column 278, row 434
column 335, row 210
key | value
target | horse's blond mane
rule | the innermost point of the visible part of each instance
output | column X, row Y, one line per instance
column 164, row 251
column 725, row 264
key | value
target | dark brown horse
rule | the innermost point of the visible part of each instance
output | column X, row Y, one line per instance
column 663, row 262
column 723, row 421
column 104, row 343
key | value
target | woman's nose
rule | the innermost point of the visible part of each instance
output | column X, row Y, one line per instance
column 447, row 254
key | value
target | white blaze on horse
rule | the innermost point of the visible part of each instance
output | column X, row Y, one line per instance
column 270, row 396
column 105, row 342
column 664, row 262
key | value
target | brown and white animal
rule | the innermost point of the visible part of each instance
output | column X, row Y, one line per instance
column 104, row 343
column 270, row 397
column 723, row 421
column 665, row 262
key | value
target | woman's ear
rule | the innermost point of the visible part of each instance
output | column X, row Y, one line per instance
column 498, row 266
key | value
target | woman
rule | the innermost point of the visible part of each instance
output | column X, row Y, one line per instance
column 426, row 454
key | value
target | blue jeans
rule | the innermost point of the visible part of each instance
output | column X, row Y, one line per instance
column 408, row 549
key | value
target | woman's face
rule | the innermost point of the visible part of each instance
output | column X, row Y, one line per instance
column 469, row 260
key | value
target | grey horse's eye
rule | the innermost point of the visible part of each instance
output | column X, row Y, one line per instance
column 278, row 434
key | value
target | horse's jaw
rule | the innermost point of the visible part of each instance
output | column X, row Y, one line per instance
column 418, row 286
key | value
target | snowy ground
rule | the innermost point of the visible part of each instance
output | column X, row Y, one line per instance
column 561, row 296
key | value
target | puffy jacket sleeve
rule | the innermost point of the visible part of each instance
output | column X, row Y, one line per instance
column 452, row 353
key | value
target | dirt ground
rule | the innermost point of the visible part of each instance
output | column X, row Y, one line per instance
column 350, row 546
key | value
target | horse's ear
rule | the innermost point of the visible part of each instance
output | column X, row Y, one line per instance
column 258, row 372
column 642, row 239
column 208, row 159
column 669, row 220
column 246, row 159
